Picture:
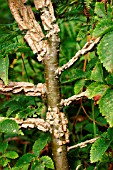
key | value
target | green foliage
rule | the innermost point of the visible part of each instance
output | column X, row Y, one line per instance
column 97, row 73
column 109, row 79
column 3, row 146
column 9, row 126
column 100, row 10
column 98, row 149
column 5, row 13
column 33, row 159
column 95, row 89
column 6, row 156
column 37, row 166
column 39, row 145
column 47, row 162
column 4, row 65
column 24, row 160
column 105, row 51
column 103, row 27
column 100, row 146
column 106, row 107
column 79, row 86
column 11, row 155
column 22, row 107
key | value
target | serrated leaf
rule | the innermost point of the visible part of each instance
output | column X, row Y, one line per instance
column 100, row 10
column 47, row 162
column 3, row 146
column 11, row 154
column 96, row 88
column 105, row 51
column 106, row 106
column 24, row 160
column 39, row 145
column 97, row 73
column 78, row 86
column 9, row 126
column 103, row 27
column 98, row 148
column 4, row 66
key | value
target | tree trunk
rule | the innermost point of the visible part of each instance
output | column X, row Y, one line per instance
column 53, row 100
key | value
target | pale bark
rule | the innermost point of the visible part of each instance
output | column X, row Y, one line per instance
column 27, row 88
column 47, row 50
column 87, row 47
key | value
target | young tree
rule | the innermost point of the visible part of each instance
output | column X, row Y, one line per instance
column 43, row 39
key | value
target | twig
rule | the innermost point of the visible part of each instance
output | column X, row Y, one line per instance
column 83, row 144
column 29, row 89
column 91, row 118
column 31, row 123
column 66, row 102
column 87, row 47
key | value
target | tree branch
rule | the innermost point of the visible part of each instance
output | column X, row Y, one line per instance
column 87, row 47
column 83, row 144
column 31, row 123
column 66, row 102
column 29, row 89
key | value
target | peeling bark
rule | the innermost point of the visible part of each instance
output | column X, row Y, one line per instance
column 47, row 50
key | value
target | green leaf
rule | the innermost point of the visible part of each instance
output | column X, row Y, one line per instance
column 4, row 65
column 97, row 73
column 103, row 27
column 11, row 154
column 4, row 162
column 98, row 148
column 25, row 160
column 39, row 145
column 109, row 79
column 9, row 126
column 110, row 134
column 96, row 88
column 81, row 34
column 23, row 167
column 105, row 51
column 6, row 168
column 36, row 165
column 3, row 146
column 73, row 75
column 100, row 10
column 89, row 127
column 47, row 162
column 78, row 86
column 106, row 106
column 12, row 47
column 92, row 62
